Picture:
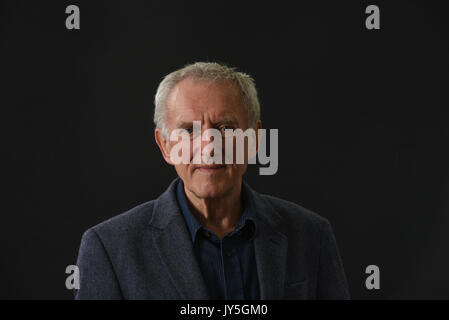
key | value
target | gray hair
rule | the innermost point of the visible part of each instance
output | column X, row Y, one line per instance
column 206, row 71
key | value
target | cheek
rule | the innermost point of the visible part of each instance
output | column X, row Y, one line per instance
column 240, row 169
column 181, row 151
column 183, row 171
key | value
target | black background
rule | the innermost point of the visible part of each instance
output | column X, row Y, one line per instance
column 362, row 118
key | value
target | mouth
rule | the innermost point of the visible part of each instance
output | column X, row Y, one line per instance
column 211, row 168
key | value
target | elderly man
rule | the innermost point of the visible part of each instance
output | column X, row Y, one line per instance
column 210, row 235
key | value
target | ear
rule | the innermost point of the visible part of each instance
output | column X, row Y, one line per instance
column 256, row 128
column 163, row 144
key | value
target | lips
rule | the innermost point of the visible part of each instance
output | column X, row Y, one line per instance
column 211, row 167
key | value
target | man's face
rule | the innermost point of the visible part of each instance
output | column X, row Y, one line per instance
column 216, row 105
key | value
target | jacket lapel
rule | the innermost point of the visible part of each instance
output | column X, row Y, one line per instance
column 175, row 246
column 270, row 246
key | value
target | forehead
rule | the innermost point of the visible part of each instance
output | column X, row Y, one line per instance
column 196, row 99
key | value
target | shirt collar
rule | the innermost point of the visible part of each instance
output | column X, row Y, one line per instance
column 193, row 225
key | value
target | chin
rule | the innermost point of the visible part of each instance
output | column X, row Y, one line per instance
column 211, row 188
column 210, row 191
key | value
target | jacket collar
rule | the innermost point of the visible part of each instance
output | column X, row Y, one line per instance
column 176, row 249
column 194, row 225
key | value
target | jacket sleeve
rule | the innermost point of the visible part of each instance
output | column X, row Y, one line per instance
column 97, row 278
column 332, row 282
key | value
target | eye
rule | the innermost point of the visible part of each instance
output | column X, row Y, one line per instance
column 192, row 133
column 223, row 128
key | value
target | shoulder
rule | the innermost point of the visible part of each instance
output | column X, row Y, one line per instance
column 295, row 215
column 125, row 225
column 129, row 227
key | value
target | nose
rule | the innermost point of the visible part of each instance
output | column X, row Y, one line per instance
column 206, row 137
column 210, row 143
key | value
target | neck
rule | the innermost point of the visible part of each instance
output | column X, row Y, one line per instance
column 220, row 215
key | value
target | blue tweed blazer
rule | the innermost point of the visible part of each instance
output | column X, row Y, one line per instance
column 147, row 253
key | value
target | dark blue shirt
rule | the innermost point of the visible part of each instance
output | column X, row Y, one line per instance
column 228, row 265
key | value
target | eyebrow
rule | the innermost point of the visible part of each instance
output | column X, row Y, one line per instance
column 185, row 125
column 226, row 121
column 189, row 124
